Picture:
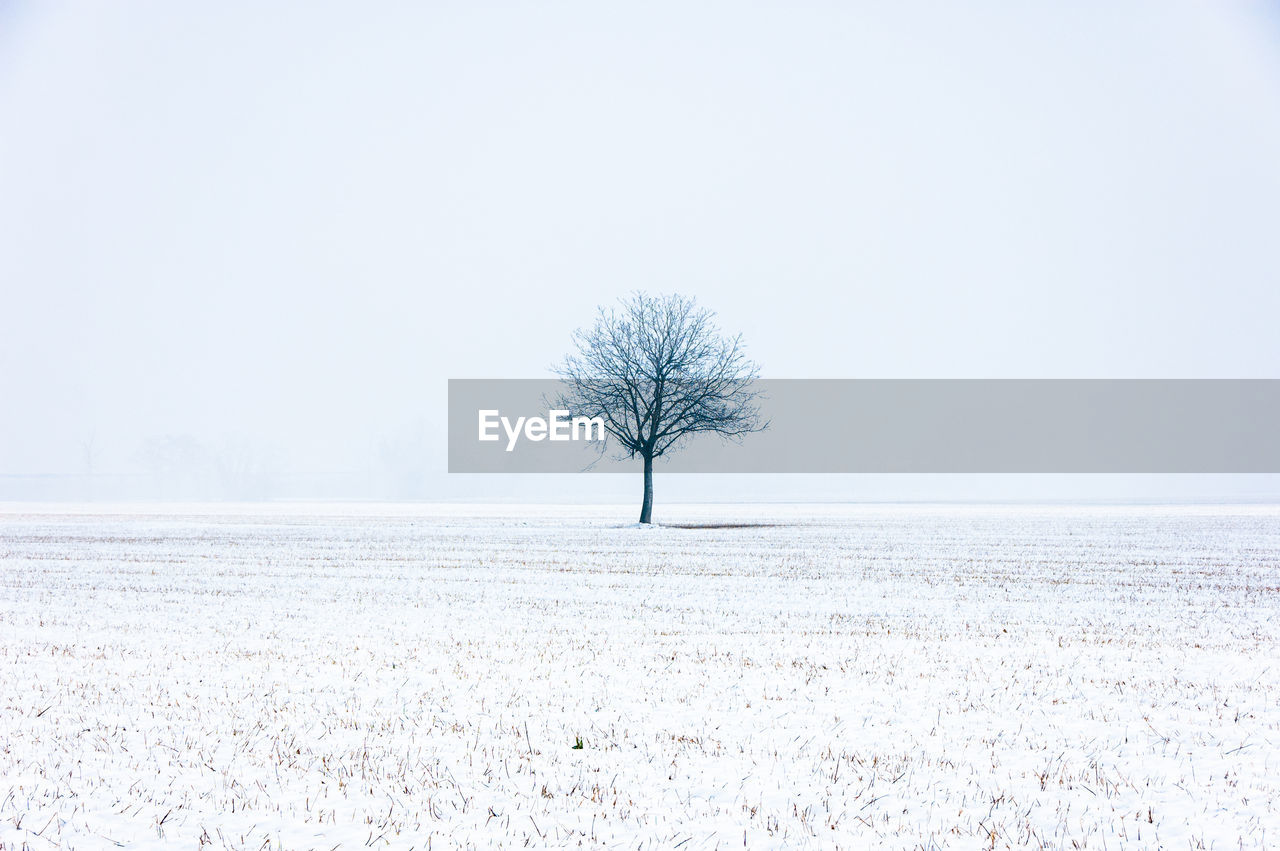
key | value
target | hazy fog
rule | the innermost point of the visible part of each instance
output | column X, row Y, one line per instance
column 243, row 246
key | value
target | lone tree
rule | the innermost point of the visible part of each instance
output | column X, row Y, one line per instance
column 657, row 369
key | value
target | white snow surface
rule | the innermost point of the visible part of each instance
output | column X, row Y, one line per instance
column 416, row 676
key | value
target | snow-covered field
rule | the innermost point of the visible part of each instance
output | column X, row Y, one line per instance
column 418, row 676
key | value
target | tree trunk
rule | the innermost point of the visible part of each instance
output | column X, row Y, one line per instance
column 646, row 507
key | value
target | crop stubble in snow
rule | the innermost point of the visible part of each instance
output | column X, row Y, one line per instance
column 418, row 676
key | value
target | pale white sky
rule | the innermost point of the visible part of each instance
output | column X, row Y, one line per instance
column 284, row 226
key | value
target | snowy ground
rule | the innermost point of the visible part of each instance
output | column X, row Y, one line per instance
column 418, row 676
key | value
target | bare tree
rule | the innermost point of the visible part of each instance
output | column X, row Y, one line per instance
column 656, row 369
